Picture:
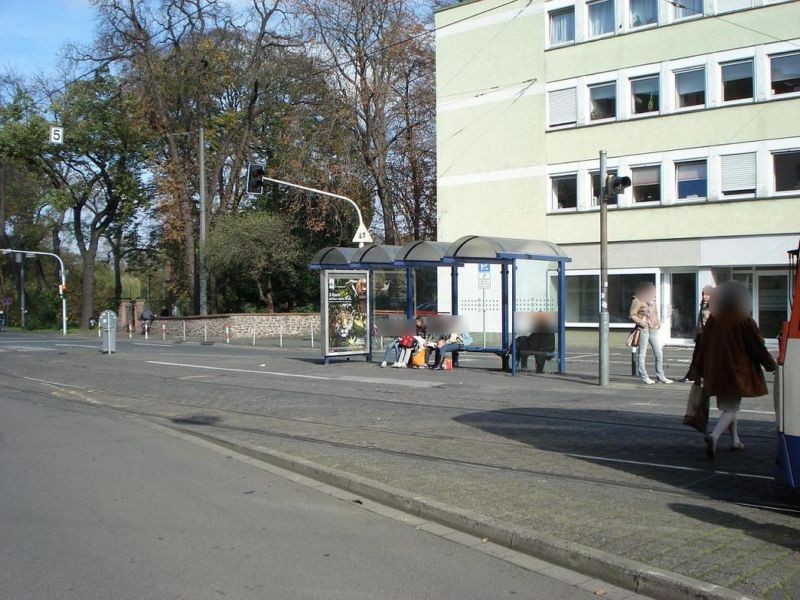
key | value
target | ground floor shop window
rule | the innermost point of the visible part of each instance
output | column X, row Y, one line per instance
column 583, row 297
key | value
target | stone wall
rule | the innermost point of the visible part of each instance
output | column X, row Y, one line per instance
column 241, row 325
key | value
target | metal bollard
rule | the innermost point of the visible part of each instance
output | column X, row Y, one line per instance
column 205, row 332
column 254, row 335
column 163, row 331
column 312, row 335
column 146, row 330
column 130, row 330
column 227, row 333
column 280, row 333
column 184, row 330
column 633, row 362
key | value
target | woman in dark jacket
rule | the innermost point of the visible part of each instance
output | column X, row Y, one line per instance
column 731, row 355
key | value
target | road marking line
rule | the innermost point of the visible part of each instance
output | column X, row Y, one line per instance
column 382, row 380
column 152, row 344
column 662, row 466
column 56, row 383
column 78, row 346
column 298, row 376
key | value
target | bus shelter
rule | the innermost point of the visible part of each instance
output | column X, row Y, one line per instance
column 506, row 253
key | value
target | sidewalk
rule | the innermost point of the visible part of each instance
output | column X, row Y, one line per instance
column 605, row 480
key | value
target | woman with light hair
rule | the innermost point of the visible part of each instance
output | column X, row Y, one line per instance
column 644, row 313
column 730, row 358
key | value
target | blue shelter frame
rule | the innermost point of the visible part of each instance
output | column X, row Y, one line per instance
column 505, row 252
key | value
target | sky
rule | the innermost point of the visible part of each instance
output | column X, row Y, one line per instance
column 33, row 32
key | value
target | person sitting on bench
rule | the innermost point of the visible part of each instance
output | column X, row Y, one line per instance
column 541, row 343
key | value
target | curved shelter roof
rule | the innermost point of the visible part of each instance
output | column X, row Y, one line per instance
column 423, row 252
column 332, row 257
column 375, row 255
column 476, row 248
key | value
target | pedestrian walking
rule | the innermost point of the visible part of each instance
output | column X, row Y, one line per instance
column 644, row 313
column 702, row 317
column 730, row 358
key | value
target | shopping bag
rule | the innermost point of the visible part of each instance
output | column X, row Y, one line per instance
column 447, row 365
column 418, row 359
column 633, row 338
column 697, row 409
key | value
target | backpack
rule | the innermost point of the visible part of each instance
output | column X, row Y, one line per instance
column 406, row 341
column 466, row 339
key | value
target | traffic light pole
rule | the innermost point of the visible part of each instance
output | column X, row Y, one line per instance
column 201, row 245
column 62, row 287
column 362, row 235
column 604, row 319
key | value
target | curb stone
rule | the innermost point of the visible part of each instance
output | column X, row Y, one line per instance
column 629, row 574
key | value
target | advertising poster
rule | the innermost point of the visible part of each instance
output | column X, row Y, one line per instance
column 346, row 312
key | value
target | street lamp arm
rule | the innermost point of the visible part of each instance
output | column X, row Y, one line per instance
column 63, row 272
column 316, row 191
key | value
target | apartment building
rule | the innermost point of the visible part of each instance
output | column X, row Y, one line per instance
column 697, row 101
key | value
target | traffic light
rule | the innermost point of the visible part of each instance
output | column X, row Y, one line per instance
column 255, row 179
column 616, row 185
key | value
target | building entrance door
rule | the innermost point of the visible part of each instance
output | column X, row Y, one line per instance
column 683, row 303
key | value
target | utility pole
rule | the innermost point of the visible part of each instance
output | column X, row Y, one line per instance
column 603, row 199
column 21, row 262
column 201, row 246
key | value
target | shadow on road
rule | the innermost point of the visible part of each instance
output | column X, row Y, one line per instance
column 197, row 420
column 657, row 447
column 788, row 537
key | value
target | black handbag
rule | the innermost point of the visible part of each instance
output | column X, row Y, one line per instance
column 697, row 409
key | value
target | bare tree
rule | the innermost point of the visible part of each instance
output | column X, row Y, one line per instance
column 364, row 44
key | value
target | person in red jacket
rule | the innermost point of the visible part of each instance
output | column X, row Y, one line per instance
column 731, row 355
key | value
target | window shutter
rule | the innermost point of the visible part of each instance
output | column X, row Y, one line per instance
column 563, row 107
column 739, row 172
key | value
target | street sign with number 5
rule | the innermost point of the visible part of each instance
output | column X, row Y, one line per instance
column 56, row 135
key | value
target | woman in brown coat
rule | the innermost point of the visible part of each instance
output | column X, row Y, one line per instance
column 730, row 359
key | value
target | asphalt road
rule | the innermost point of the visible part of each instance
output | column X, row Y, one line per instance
column 100, row 504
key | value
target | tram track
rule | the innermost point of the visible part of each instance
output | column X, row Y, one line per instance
column 76, row 394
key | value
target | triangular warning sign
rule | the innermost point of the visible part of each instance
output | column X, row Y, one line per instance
column 362, row 236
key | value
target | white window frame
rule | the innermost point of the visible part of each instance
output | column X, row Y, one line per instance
column 660, row 167
column 724, row 63
column 554, row 208
column 589, row 100
column 652, row 113
column 629, row 14
column 677, row 19
column 774, row 181
column 770, row 56
column 588, row 34
column 562, row 8
column 678, row 71
column 689, row 200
